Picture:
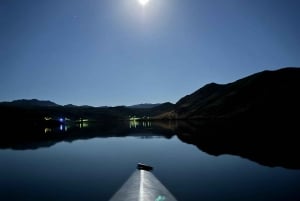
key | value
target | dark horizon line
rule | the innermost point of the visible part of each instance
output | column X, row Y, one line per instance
column 84, row 105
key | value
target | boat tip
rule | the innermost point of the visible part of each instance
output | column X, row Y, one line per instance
column 142, row 166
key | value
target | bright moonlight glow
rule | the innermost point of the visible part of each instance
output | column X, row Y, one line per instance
column 143, row 2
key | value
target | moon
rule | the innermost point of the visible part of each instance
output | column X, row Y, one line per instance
column 143, row 2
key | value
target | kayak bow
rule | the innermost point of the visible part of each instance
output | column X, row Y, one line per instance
column 142, row 185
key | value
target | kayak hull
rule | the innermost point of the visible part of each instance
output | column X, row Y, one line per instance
column 142, row 185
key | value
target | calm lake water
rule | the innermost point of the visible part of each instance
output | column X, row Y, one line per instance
column 95, row 168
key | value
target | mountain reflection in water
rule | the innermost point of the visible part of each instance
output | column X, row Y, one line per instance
column 258, row 142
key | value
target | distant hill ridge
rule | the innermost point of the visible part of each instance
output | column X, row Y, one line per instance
column 31, row 103
column 265, row 94
column 47, row 103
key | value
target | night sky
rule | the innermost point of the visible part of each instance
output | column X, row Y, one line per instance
column 118, row 52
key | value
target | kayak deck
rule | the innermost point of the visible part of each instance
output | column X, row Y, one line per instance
column 142, row 185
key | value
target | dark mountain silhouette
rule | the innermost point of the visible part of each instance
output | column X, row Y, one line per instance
column 34, row 111
column 31, row 103
column 264, row 95
column 267, row 94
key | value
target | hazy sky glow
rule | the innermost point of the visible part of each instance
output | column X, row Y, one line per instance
column 117, row 52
